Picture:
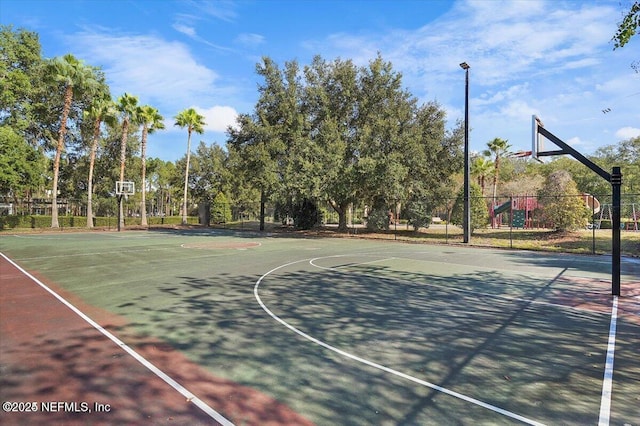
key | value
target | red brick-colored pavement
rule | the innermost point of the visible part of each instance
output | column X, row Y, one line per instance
column 50, row 358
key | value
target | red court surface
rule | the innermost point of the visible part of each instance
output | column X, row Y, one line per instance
column 58, row 369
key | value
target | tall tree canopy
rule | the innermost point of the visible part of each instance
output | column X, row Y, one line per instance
column 497, row 148
column 194, row 122
column 72, row 75
column 101, row 110
column 327, row 133
column 21, row 165
column 210, row 172
column 151, row 120
column 22, row 69
column 342, row 134
column 627, row 28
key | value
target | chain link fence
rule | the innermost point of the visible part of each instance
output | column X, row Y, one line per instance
column 518, row 221
column 575, row 223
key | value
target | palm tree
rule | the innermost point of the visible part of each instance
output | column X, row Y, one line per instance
column 496, row 148
column 72, row 74
column 102, row 109
column 481, row 168
column 128, row 107
column 194, row 122
column 151, row 120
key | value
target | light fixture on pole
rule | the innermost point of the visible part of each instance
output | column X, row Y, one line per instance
column 466, row 220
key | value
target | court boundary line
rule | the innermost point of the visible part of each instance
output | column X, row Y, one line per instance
column 69, row 236
column 374, row 364
column 607, row 383
column 257, row 245
column 147, row 364
column 98, row 253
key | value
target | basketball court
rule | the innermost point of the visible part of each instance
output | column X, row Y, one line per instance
column 174, row 326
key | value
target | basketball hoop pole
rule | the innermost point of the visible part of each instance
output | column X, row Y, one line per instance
column 616, row 185
column 615, row 179
column 466, row 220
column 123, row 189
column 119, row 209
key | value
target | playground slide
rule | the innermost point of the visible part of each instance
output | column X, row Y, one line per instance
column 501, row 208
column 592, row 203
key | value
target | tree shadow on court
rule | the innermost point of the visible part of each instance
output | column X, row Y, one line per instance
column 458, row 332
column 590, row 264
column 481, row 334
column 236, row 233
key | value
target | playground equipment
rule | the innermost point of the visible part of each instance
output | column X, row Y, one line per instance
column 629, row 212
column 522, row 211
column 521, row 207
column 592, row 203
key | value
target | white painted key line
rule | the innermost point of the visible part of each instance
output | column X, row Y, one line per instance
column 376, row 365
column 155, row 370
column 607, row 383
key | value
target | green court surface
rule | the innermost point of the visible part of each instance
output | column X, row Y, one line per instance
column 348, row 331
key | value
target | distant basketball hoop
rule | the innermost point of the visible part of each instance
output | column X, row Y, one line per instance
column 125, row 188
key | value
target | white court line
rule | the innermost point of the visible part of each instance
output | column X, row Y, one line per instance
column 100, row 253
column 376, row 365
column 70, row 236
column 183, row 245
column 155, row 370
column 607, row 384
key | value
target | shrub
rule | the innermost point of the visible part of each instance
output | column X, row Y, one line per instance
column 419, row 214
column 41, row 221
column 378, row 219
column 220, row 209
column 562, row 204
column 305, row 214
column 479, row 211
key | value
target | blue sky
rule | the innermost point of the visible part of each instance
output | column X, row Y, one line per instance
column 551, row 58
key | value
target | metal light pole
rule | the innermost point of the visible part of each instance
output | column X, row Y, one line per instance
column 466, row 220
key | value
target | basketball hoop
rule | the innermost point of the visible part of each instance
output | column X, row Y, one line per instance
column 614, row 178
column 537, row 142
column 521, row 154
column 125, row 188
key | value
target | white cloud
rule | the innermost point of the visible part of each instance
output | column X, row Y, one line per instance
column 574, row 141
column 250, row 40
column 185, row 29
column 157, row 71
column 517, row 91
column 224, row 10
column 628, row 133
column 619, row 85
column 218, row 118
column 500, row 40
column 546, row 57
column 187, row 23
column 518, row 108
